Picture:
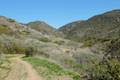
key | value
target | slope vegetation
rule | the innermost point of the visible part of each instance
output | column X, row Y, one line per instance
column 99, row 28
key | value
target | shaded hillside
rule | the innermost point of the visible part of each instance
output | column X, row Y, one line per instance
column 66, row 29
column 100, row 28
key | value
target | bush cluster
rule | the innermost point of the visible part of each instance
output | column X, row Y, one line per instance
column 11, row 20
column 109, row 67
column 109, row 70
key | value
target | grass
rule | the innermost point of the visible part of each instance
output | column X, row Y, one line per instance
column 50, row 70
column 3, row 27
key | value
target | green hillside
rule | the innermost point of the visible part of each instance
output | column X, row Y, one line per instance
column 99, row 28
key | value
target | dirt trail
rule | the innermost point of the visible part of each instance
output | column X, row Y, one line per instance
column 22, row 70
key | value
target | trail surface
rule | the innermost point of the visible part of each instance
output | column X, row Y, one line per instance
column 21, row 70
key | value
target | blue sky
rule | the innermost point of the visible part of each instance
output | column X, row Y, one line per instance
column 55, row 12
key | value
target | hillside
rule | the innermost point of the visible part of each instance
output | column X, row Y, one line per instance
column 101, row 27
column 10, row 26
column 43, row 28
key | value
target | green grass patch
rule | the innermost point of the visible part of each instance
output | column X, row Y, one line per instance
column 3, row 27
column 50, row 70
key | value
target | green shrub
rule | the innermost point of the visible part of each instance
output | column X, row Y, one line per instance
column 13, row 48
column 10, row 45
column 109, row 70
column 25, row 32
column 112, row 48
column 59, row 42
column 11, row 20
column 77, row 77
column 44, row 39
column 29, row 51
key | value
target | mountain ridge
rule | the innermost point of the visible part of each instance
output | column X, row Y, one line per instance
column 102, row 26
